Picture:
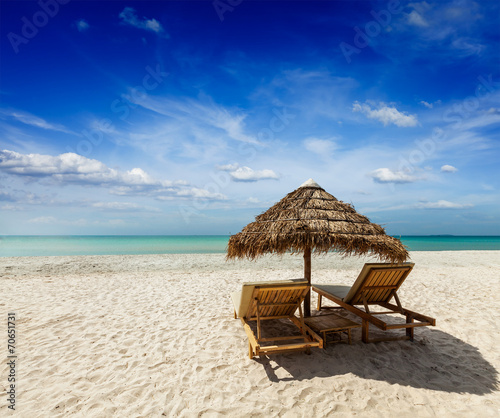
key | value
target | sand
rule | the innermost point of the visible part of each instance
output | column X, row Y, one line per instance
column 154, row 335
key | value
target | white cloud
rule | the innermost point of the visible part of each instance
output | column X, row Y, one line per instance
column 247, row 174
column 238, row 173
column 442, row 204
column 467, row 46
column 43, row 220
column 29, row 119
column 385, row 175
column 82, row 25
column 27, row 197
column 416, row 19
column 198, row 193
column 454, row 26
column 123, row 206
column 323, row 147
column 199, row 116
column 227, row 167
column 6, row 197
column 448, row 169
column 14, row 208
column 76, row 222
column 429, row 105
column 129, row 17
column 74, row 168
column 65, row 166
column 386, row 114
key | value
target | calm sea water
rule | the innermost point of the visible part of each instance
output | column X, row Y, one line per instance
column 15, row 246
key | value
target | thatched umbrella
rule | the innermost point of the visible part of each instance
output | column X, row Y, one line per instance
column 311, row 220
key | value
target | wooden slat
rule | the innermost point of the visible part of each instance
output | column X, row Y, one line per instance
column 290, row 337
column 251, row 337
column 371, row 278
column 258, row 322
column 379, row 282
column 365, row 303
column 301, row 320
column 289, row 299
column 318, row 308
column 252, row 304
column 380, row 287
column 330, row 322
column 401, row 268
column 294, row 297
column 268, row 296
column 309, row 331
column 357, row 295
column 410, row 325
column 385, row 312
column 277, row 287
column 387, row 278
column 266, row 318
column 375, row 321
column 279, row 304
column 285, row 296
column 287, row 347
column 264, row 296
column 393, row 277
column 398, row 302
column 275, row 295
column 375, row 278
column 416, row 315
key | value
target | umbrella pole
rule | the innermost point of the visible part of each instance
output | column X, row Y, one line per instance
column 307, row 275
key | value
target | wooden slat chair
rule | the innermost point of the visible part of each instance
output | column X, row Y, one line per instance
column 377, row 284
column 262, row 301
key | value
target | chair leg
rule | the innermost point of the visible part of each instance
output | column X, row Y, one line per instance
column 364, row 331
column 409, row 331
column 250, row 351
column 319, row 302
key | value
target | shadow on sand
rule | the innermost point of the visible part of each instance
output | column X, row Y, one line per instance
column 435, row 360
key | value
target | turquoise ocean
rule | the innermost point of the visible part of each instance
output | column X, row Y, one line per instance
column 52, row 245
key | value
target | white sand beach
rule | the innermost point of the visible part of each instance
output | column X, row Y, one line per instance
column 154, row 335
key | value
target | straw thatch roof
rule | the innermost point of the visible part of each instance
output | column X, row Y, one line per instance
column 309, row 217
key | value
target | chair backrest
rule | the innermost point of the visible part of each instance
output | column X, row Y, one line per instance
column 277, row 298
column 377, row 281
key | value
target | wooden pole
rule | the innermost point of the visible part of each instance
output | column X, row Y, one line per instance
column 307, row 275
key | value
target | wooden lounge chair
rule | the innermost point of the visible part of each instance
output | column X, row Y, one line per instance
column 262, row 301
column 377, row 284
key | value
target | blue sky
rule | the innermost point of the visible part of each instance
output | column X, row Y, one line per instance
column 193, row 117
